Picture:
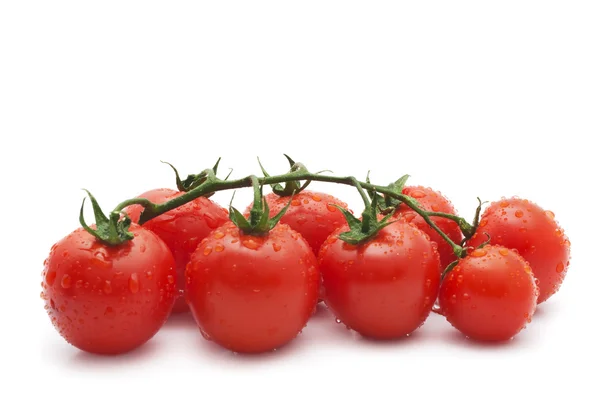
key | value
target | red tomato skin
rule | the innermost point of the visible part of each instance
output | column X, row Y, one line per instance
column 385, row 288
column 490, row 295
column 252, row 294
column 181, row 229
column 524, row 226
column 310, row 214
column 433, row 201
column 109, row 300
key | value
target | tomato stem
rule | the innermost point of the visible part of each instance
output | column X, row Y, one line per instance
column 297, row 173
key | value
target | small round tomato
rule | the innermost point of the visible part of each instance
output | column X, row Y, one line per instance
column 384, row 288
column 433, row 201
column 310, row 214
column 181, row 229
column 109, row 299
column 252, row 293
column 524, row 226
column 490, row 295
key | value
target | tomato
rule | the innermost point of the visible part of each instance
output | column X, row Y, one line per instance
column 490, row 295
column 524, row 226
column 181, row 229
column 433, row 201
column 384, row 288
column 252, row 293
column 310, row 214
column 109, row 299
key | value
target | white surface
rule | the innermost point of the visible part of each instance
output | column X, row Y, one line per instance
column 470, row 98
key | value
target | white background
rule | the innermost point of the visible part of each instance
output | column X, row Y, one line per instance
column 471, row 98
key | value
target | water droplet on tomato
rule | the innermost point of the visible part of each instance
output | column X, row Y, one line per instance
column 503, row 251
column 170, row 279
column 250, row 244
column 256, row 290
column 466, row 296
column 109, row 312
column 479, row 253
column 417, row 194
column 66, row 281
column 316, row 198
column 149, row 275
column 560, row 267
column 550, row 214
column 295, row 202
column 483, row 223
column 338, row 320
column 219, row 234
column 331, row 208
column 219, row 248
column 504, row 203
column 107, row 287
column 276, row 247
column 558, row 232
column 50, row 277
column 207, row 251
column 134, row 283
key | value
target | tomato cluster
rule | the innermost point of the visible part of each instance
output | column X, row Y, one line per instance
column 110, row 287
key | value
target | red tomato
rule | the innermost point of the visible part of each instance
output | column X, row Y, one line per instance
column 310, row 214
column 490, row 295
column 181, row 229
column 252, row 293
column 524, row 226
column 433, row 201
column 384, row 288
column 109, row 300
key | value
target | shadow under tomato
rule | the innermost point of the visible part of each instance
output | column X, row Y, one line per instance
column 218, row 353
column 179, row 321
column 143, row 353
column 455, row 337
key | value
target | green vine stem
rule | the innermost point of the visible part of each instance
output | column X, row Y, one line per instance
column 214, row 184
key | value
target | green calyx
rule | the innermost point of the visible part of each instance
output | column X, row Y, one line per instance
column 362, row 230
column 386, row 204
column 291, row 187
column 113, row 230
column 259, row 223
column 195, row 180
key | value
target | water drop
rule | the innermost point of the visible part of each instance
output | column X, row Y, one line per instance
column 107, row 287
column 560, row 267
column 219, row 234
column 338, row 320
column 417, row 194
column 483, row 223
column 134, row 283
column 479, row 253
column 316, row 198
column 109, row 312
column 331, row 208
column 50, row 277
column 550, row 214
column 503, row 251
column 66, row 281
column 276, row 247
column 250, row 244
column 171, row 279
column 219, row 248
column 519, row 213
column 295, row 202
column 207, row 251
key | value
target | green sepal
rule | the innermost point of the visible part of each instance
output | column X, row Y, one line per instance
column 258, row 223
column 387, row 204
column 291, row 187
column 363, row 230
column 194, row 180
column 449, row 268
column 111, row 231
